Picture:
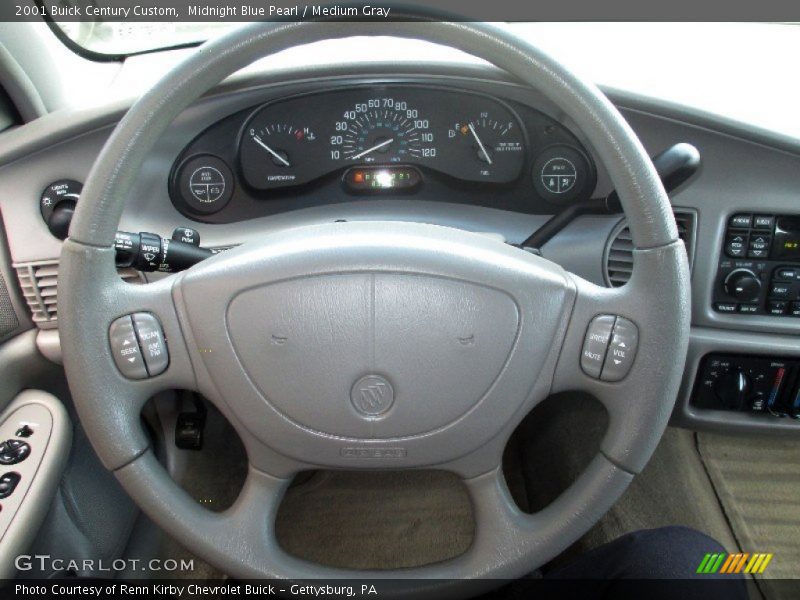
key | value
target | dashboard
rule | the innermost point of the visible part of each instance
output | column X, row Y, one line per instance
column 337, row 144
column 459, row 146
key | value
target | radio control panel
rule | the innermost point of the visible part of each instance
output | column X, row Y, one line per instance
column 759, row 266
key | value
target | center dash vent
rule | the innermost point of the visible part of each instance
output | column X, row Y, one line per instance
column 618, row 255
column 39, row 283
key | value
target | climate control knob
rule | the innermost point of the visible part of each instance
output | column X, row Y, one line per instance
column 743, row 285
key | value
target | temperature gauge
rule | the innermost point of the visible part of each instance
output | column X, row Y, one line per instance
column 275, row 154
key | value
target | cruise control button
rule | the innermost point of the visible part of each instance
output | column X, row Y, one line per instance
column 595, row 344
column 621, row 350
column 151, row 340
column 125, row 349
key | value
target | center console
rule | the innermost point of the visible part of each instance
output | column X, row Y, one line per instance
column 759, row 267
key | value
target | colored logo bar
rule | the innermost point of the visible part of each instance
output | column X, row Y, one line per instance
column 741, row 562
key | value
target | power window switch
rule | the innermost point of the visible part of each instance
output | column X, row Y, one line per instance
column 621, row 350
column 125, row 349
column 152, row 343
column 13, row 452
column 24, row 431
column 595, row 344
column 8, row 483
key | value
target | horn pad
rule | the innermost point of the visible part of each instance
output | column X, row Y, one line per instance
column 373, row 355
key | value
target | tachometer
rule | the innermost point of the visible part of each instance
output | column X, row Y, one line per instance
column 380, row 131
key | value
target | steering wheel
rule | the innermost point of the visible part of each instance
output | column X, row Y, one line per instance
column 377, row 345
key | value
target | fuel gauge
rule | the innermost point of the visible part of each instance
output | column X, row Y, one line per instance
column 492, row 149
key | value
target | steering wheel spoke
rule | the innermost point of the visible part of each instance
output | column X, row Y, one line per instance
column 621, row 347
column 137, row 349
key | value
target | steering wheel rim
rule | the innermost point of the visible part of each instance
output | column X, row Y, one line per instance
column 507, row 542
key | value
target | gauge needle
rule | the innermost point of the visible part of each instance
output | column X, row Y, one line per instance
column 375, row 147
column 258, row 141
column 480, row 144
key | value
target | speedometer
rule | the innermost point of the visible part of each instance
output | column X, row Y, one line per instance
column 380, row 131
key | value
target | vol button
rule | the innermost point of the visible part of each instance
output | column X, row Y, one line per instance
column 621, row 350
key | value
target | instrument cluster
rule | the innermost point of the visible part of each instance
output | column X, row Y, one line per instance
column 401, row 139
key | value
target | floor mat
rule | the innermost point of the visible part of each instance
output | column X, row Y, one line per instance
column 376, row 520
column 673, row 489
column 758, row 482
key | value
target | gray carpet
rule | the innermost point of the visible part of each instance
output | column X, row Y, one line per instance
column 673, row 489
column 758, row 482
column 376, row 520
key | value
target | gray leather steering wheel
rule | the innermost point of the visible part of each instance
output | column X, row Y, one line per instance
column 466, row 333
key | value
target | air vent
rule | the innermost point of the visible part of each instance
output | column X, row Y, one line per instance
column 39, row 283
column 618, row 257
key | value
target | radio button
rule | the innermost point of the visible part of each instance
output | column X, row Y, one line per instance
column 763, row 222
column 777, row 307
column 794, row 309
column 736, row 245
column 749, row 309
column 780, row 291
column 741, row 221
column 621, row 350
column 785, row 274
column 759, row 246
column 726, row 307
column 758, row 250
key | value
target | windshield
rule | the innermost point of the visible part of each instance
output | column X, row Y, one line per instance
column 120, row 38
column 117, row 39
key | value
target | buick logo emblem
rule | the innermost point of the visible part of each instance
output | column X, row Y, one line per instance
column 372, row 395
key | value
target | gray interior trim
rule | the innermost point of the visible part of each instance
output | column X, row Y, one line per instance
column 25, row 509
column 704, row 341
column 20, row 88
